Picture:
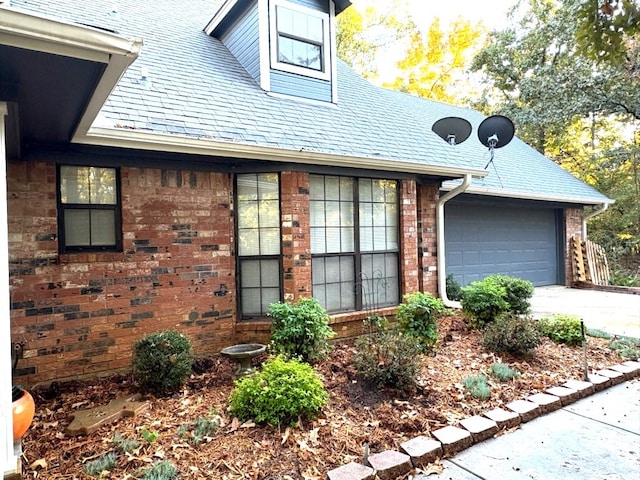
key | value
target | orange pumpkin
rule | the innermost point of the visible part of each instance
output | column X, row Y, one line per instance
column 23, row 410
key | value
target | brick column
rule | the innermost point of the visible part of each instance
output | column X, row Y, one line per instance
column 572, row 228
column 427, row 198
column 408, row 238
column 296, row 237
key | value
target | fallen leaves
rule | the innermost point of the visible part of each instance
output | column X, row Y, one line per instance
column 356, row 415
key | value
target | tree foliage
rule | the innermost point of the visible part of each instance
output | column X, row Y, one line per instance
column 603, row 27
column 434, row 67
column 581, row 113
column 366, row 28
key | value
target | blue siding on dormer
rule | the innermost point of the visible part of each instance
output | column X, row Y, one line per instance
column 299, row 86
column 243, row 41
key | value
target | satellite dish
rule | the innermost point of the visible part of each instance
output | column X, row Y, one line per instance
column 496, row 131
column 452, row 130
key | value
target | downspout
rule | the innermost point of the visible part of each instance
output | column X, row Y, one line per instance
column 442, row 277
column 588, row 217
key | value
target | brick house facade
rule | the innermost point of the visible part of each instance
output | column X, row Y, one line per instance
column 78, row 314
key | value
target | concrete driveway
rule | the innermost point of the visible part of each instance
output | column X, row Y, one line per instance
column 596, row 438
column 615, row 313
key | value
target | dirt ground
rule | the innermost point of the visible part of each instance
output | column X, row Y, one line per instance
column 356, row 414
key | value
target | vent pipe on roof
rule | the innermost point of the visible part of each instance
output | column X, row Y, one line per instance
column 589, row 216
column 442, row 274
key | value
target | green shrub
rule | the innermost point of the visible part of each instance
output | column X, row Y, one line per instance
column 162, row 470
column 104, row 463
column 417, row 316
column 300, row 330
column 125, row 445
column 388, row 359
column 162, row 361
column 477, row 386
column 503, row 372
column 482, row 302
column 283, row 391
column 511, row 333
column 627, row 347
column 454, row 289
column 562, row 329
column 202, row 428
column 595, row 333
column 518, row 292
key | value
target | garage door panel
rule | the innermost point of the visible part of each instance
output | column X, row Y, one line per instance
column 481, row 241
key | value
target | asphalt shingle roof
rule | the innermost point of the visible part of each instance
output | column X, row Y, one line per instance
column 196, row 89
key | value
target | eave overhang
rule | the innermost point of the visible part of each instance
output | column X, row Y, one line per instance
column 57, row 75
column 523, row 195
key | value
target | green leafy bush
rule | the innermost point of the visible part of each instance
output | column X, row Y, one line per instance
column 482, row 302
column 417, row 316
column 454, row 289
column 162, row 470
column 300, row 330
column 518, row 292
column 562, row 329
column 389, row 359
column 477, row 386
column 283, row 391
column 162, row 361
column 503, row 372
column 511, row 333
column 103, row 463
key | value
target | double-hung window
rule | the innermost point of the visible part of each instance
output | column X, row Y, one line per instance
column 354, row 242
column 89, row 209
column 299, row 40
column 258, row 229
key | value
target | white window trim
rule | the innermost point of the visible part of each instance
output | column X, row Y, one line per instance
column 327, row 62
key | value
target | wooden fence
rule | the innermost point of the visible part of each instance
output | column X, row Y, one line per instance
column 589, row 262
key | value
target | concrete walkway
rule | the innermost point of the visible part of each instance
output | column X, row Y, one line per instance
column 615, row 313
column 596, row 438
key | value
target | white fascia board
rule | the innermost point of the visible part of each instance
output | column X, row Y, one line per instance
column 172, row 143
column 517, row 194
column 222, row 12
column 42, row 34
column 23, row 30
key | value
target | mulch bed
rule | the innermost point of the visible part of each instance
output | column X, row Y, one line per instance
column 356, row 414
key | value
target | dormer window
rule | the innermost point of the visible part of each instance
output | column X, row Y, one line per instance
column 299, row 40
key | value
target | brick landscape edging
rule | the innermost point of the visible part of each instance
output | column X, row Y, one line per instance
column 448, row 441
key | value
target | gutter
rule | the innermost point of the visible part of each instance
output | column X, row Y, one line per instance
column 589, row 216
column 442, row 277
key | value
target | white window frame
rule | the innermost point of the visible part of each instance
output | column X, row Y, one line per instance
column 325, row 73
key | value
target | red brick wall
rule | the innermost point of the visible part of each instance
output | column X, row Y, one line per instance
column 427, row 238
column 79, row 314
column 408, row 238
column 296, row 239
column 572, row 228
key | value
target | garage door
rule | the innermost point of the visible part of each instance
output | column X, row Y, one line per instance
column 482, row 240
